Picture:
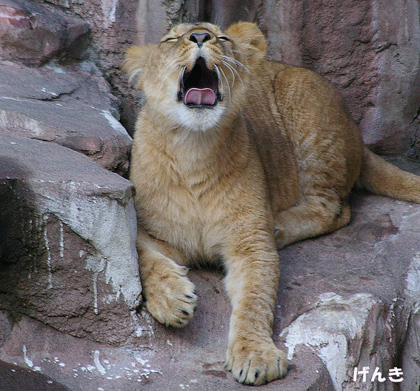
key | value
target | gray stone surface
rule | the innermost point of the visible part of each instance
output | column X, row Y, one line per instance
column 16, row 378
column 366, row 49
column 353, row 296
column 158, row 358
column 67, row 243
column 34, row 33
column 71, row 106
column 112, row 26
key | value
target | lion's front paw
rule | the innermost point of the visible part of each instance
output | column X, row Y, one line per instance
column 171, row 300
column 256, row 362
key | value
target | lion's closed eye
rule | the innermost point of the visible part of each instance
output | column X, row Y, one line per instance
column 170, row 39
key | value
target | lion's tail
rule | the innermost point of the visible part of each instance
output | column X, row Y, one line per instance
column 381, row 177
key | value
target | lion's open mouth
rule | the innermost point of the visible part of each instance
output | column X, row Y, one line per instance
column 199, row 87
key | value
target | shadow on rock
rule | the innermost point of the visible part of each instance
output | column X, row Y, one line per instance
column 19, row 238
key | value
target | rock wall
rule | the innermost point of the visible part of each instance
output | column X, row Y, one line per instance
column 67, row 224
column 112, row 25
column 67, row 243
column 368, row 49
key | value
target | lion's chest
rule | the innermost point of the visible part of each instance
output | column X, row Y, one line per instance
column 183, row 214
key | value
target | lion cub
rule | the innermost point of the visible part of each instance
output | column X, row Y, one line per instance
column 232, row 155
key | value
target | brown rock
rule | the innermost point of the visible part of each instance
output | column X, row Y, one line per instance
column 157, row 358
column 350, row 295
column 112, row 29
column 367, row 49
column 67, row 243
column 67, row 105
column 33, row 33
column 15, row 378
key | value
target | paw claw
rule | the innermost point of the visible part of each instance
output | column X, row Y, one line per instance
column 256, row 363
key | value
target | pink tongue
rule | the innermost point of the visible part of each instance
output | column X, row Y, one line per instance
column 200, row 96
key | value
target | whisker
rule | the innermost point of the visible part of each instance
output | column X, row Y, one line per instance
column 235, row 62
column 134, row 76
column 241, row 53
column 227, row 60
column 169, row 69
column 231, row 71
column 170, row 65
column 167, row 66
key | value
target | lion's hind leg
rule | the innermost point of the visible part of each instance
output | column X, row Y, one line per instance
column 314, row 216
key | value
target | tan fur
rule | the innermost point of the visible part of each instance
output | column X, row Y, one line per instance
column 279, row 154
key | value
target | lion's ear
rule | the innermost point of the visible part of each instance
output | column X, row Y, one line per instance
column 136, row 58
column 250, row 35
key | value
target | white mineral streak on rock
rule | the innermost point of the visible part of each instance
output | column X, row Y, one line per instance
column 61, row 239
column 109, row 9
column 101, row 369
column 107, row 220
column 328, row 328
column 27, row 360
column 96, row 267
column 36, row 129
column 115, row 124
column 412, row 291
column 47, row 246
column 137, row 326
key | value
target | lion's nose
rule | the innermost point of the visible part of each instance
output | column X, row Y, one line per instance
column 200, row 38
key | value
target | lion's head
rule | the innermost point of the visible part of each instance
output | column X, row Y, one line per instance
column 197, row 75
